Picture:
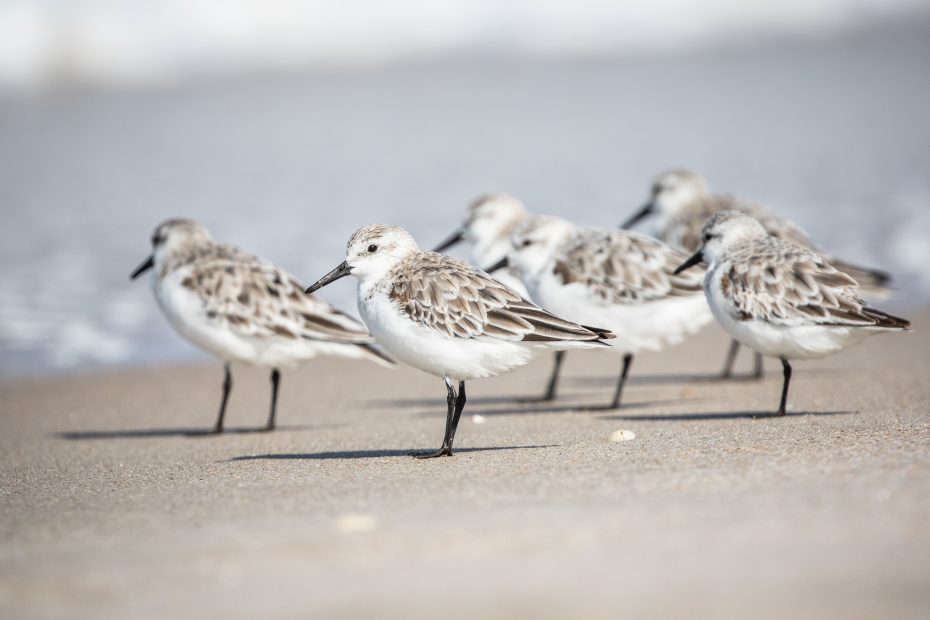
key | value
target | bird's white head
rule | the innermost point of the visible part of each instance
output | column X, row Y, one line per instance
column 371, row 253
column 492, row 217
column 722, row 233
column 373, row 250
column 171, row 238
column 725, row 231
column 676, row 189
column 535, row 241
column 490, row 220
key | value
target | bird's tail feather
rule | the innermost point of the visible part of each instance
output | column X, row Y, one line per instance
column 873, row 281
column 885, row 320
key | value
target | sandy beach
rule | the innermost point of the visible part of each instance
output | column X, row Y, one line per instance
column 110, row 510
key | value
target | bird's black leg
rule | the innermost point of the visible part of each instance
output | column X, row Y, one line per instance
column 627, row 360
column 553, row 382
column 459, row 407
column 227, row 386
column 757, row 367
column 554, row 379
column 451, row 422
column 731, row 359
column 275, row 379
column 784, row 388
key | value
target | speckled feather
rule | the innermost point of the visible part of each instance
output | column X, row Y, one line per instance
column 256, row 299
column 778, row 281
column 620, row 267
column 683, row 230
column 455, row 299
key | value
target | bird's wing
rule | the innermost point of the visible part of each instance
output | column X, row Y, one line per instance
column 787, row 284
column 459, row 301
column 626, row 268
column 685, row 229
column 258, row 299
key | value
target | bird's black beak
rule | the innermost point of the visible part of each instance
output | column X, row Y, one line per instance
column 691, row 262
column 339, row 272
column 145, row 266
column 645, row 210
column 452, row 240
column 501, row 264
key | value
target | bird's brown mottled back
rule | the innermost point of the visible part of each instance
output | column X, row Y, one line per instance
column 620, row 267
column 459, row 301
column 779, row 281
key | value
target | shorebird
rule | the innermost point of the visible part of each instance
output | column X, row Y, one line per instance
column 619, row 279
column 241, row 308
column 489, row 223
column 779, row 298
column 446, row 317
column 682, row 202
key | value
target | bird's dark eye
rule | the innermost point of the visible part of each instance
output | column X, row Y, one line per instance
column 707, row 237
column 372, row 248
column 525, row 243
column 158, row 239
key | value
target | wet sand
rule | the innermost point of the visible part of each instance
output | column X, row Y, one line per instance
column 110, row 510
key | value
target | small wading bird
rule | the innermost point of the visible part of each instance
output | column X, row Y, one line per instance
column 446, row 317
column 619, row 279
column 489, row 223
column 779, row 298
column 681, row 201
column 242, row 308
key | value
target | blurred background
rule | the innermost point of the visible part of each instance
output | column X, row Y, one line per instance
column 285, row 126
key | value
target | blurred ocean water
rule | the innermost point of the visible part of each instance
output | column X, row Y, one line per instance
column 49, row 42
column 830, row 131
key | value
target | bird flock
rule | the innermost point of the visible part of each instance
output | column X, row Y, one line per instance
column 538, row 283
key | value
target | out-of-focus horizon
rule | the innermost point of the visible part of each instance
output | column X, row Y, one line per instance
column 53, row 43
column 284, row 127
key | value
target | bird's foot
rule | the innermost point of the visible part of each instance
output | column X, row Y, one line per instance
column 443, row 451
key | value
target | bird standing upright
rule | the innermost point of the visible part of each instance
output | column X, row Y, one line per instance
column 242, row 308
column 447, row 317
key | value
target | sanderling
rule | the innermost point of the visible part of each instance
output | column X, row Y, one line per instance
column 682, row 202
column 488, row 226
column 242, row 308
column 446, row 317
column 615, row 278
column 779, row 298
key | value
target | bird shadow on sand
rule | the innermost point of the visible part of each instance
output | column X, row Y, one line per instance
column 143, row 433
column 672, row 379
column 439, row 409
column 390, row 403
column 721, row 415
column 370, row 454
column 524, row 404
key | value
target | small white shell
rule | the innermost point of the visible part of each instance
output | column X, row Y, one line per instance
column 355, row 522
column 478, row 419
column 622, row 435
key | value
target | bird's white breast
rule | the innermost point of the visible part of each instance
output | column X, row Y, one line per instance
column 797, row 340
column 433, row 352
column 649, row 325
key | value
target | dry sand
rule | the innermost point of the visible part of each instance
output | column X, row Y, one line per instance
column 110, row 511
